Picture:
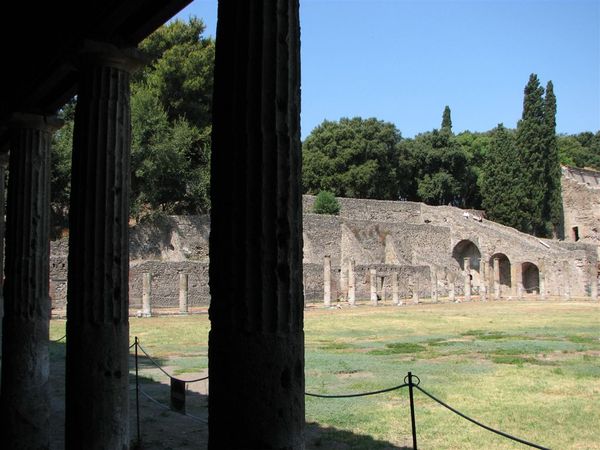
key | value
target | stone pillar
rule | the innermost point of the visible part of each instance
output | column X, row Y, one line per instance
column 517, row 280
column 483, row 279
column 146, row 294
column 97, row 391
column 395, row 294
column 542, row 276
column 3, row 166
column 496, row 270
column 351, row 284
column 256, row 343
column 373, row 281
column 451, row 291
column 467, row 272
column 434, row 286
column 343, row 294
column 183, row 293
column 327, row 281
column 415, row 289
column 25, row 408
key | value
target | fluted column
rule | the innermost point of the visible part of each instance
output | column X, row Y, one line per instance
column 183, row 293
column 25, row 397
column 373, row 282
column 256, row 343
column 351, row 283
column 97, row 407
column 467, row 272
column 327, row 281
column 146, row 294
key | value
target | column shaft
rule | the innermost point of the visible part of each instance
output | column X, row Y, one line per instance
column 373, row 282
column 467, row 272
column 343, row 291
column 434, row 286
column 256, row 343
column 351, row 283
column 97, row 404
column 25, row 398
column 327, row 281
column 146, row 294
column 496, row 270
column 395, row 293
column 183, row 293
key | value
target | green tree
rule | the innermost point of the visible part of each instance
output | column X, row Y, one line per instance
column 552, row 211
column 326, row 203
column 446, row 120
column 531, row 143
column 501, row 180
column 352, row 158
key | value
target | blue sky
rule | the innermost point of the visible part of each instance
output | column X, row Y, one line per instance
column 403, row 61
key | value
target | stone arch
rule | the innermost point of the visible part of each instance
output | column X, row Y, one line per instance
column 467, row 249
column 531, row 277
column 505, row 272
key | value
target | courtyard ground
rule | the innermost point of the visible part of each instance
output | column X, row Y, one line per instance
column 529, row 368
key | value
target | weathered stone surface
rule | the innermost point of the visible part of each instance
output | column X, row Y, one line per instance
column 24, row 399
column 97, row 406
column 256, row 342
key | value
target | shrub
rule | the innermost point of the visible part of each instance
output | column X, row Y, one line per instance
column 326, row 203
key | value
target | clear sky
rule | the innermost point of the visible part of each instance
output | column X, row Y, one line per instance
column 403, row 61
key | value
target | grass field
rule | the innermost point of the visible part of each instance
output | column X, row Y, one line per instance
column 531, row 369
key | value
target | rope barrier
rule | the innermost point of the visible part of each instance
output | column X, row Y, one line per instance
column 362, row 394
column 501, row 433
column 58, row 340
column 165, row 372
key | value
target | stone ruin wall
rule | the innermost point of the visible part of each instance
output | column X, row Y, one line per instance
column 581, row 205
column 412, row 239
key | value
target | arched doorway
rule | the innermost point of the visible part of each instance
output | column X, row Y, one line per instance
column 467, row 249
column 503, row 276
column 531, row 277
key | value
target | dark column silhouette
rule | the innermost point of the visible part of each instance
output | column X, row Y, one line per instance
column 25, row 400
column 97, row 310
column 256, row 350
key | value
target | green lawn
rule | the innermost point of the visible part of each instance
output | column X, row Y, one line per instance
column 531, row 369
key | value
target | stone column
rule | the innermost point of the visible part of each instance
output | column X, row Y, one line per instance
column 467, row 272
column 146, row 294
column 496, row 269
column 434, row 286
column 373, row 283
column 25, row 408
column 327, row 281
column 256, row 343
column 415, row 289
column 3, row 166
column 517, row 280
column 483, row 279
column 343, row 294
column 351, row 284
column 451, row 291
column 542, row 276
column 395, row 294
column 183, row 293
column 97, row 392
column 382, row 289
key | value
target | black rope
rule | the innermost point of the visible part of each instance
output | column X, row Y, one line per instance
column 59, row 339
column 362, row 394
column 165, row 372
column 501, row 433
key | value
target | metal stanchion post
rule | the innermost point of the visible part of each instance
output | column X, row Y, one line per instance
column 137, row 394
column 412, row 411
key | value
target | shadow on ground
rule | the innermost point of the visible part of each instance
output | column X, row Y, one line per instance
column 161, row 428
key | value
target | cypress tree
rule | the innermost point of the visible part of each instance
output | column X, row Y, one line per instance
column 501, row 178
column 531, row 145
column 553, row 200
column 446, row 120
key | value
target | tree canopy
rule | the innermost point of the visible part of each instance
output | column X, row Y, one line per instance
column 352, row 158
